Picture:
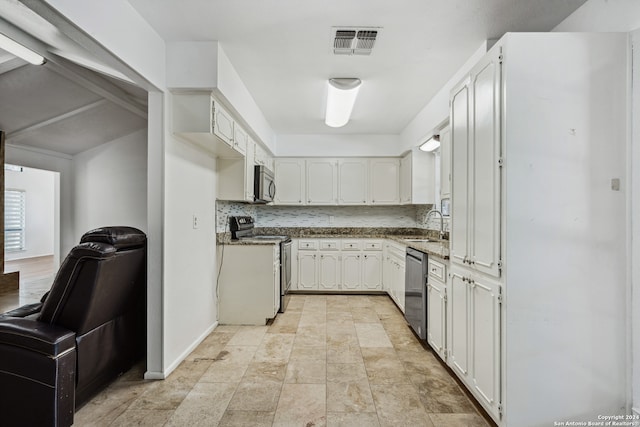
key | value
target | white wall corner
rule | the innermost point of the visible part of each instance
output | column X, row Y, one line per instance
column 192, row 65
column 172, row 367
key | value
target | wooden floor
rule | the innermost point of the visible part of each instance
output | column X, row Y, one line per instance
column 36, row 276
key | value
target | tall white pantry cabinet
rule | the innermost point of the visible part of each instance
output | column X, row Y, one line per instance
column 537, row 292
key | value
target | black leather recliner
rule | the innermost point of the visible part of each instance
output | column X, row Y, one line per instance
column 89, row 328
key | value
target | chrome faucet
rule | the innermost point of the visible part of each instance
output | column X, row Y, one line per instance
column 441, row 221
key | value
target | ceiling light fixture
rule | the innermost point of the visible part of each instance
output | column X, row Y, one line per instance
column 341, row 97
column 20, row 51
column 431, row 144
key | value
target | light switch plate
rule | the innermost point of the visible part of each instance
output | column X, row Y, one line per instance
column 615, row 184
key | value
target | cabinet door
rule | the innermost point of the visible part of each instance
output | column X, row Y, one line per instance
column 436, row 316
column 307, row 271
column 249, row 171
column 405, row 179
column 484, row 198
column 290, row 182
column 384, row 185
column 352, row 181
column 351, row 267
column 329, row 271
column 445, row 163
column 485, row 340
column 459, row 173
column 387, row 269
column 458, row 324
column 222, row 124
column 322, row 185
column 276, row 279
column 239, row 139
column 372, row 271
column 399, row 283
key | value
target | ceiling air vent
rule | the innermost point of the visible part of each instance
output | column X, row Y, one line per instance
column 354, row 40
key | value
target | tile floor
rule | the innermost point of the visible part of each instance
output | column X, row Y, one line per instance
column 335, row 360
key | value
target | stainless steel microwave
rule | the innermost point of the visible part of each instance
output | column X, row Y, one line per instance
column 264, row 188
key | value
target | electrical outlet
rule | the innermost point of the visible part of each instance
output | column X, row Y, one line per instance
column 196, row 221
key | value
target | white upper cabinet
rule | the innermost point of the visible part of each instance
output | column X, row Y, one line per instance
column 352, row 181
column 405, row 179
column 322, row 181
column 417, row 178
column 200, row 119
column 240, row 139
column 330, row 182
column 475, row 145
column 384, row 181
column 458, row 250
column 249, row 171
column 290, row 181
column 222, row 123
column 263, row 158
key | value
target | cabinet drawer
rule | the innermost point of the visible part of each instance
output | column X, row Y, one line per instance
column 437, row 270
column 375, row 245
column 329, row 245
column 396, row 250
column 350, row 245
column 308, row 245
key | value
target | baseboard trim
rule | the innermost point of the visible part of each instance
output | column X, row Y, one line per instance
column 172, row 367
column 153, row 375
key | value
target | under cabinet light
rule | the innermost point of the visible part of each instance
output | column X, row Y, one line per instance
column 341, row 97
column 431, row 144
column 20, row 51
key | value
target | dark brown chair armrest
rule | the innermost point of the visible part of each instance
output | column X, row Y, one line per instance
column 36, row 336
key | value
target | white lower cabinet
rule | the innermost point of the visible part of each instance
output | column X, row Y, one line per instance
column 307, row 270
column 394, row 271
column 338, row 264
column 473, row 327
column 260, row 279
column 437, row 306
column 351, row 271
column 329, row 271
column 371, row 271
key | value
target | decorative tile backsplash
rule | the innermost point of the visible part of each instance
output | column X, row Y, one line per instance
column 431, row 223
column 328, row 216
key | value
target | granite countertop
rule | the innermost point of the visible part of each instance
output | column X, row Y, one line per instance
column 434, row 247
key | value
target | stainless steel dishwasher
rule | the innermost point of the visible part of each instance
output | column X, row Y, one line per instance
column 415, row 285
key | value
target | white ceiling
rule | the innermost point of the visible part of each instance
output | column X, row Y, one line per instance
column 61, row 106
column 282, row 49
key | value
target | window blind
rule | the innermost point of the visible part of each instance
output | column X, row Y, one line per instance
column 14, row 220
